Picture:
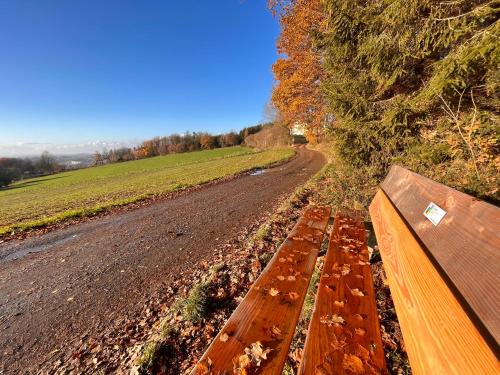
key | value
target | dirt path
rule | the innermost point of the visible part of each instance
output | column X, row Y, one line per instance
column 84, row 280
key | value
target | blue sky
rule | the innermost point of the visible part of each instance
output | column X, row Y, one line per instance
column 83, row 70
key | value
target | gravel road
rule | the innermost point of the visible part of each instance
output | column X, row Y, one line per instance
column 76, row 282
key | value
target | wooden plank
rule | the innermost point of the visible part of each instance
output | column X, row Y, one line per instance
column 465, row 244
column 270, row 311
column 439, row 335
column 344, row 332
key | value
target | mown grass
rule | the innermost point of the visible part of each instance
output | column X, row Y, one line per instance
column 40, row 201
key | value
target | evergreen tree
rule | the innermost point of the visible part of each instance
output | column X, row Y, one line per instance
column 413, row 82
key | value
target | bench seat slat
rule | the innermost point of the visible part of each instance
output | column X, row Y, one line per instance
column 344, row 332
column 439, row 335
column 270, row 311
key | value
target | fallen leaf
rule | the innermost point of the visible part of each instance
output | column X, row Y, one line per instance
column 256, row 266
column 276, row 331
column 331, row 320
column 359, row 331
column 337, row 319
column 224, row 337
column 338, row 345
column 244, row 361
column 346, row 269
column 291, row 278
column 293, row 295
column 297, row 355
column 362, row 352
column 274, row 292
column 357, row 292
column 254, row 354
column 203, row 368
column 282, row 260
column 281, row 278
column 338, row 303
column 353, row 364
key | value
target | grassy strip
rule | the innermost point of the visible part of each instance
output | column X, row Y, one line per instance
column 69, row 214
column 139, row 182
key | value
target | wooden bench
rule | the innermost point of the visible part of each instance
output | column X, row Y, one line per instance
column 443, row 278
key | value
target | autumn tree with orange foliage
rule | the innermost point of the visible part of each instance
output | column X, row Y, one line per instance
column 297, row 94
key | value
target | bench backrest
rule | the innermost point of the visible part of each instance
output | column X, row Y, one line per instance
column 444, row 276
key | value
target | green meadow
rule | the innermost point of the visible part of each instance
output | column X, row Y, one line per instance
column 39, row 201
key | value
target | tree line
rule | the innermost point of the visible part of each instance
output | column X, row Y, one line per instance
column 13, row 169
column 384, row 82
column 175, row 143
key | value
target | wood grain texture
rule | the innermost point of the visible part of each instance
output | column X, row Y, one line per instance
column 439, row 335
column 270, row 311
column 465, row 244
column 345, row 292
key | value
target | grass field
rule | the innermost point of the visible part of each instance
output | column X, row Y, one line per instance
column 40, row 201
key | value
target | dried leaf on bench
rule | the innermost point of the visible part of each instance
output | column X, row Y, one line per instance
column 338, row 345
column 357, row 292
column 204, row 367
column 293, row 295
column 254, row 354
column 224, row 337
column 362, row 353
column 276, row 332
column 274, row 292
column 338, row 303
column 346, row 269
column 333, row 319
column 358, row 317
column 353, row 364
column 359, row 331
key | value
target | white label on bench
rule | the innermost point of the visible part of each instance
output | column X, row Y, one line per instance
column 434, row 213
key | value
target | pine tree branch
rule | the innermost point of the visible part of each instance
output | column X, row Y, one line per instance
column 455, row 117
